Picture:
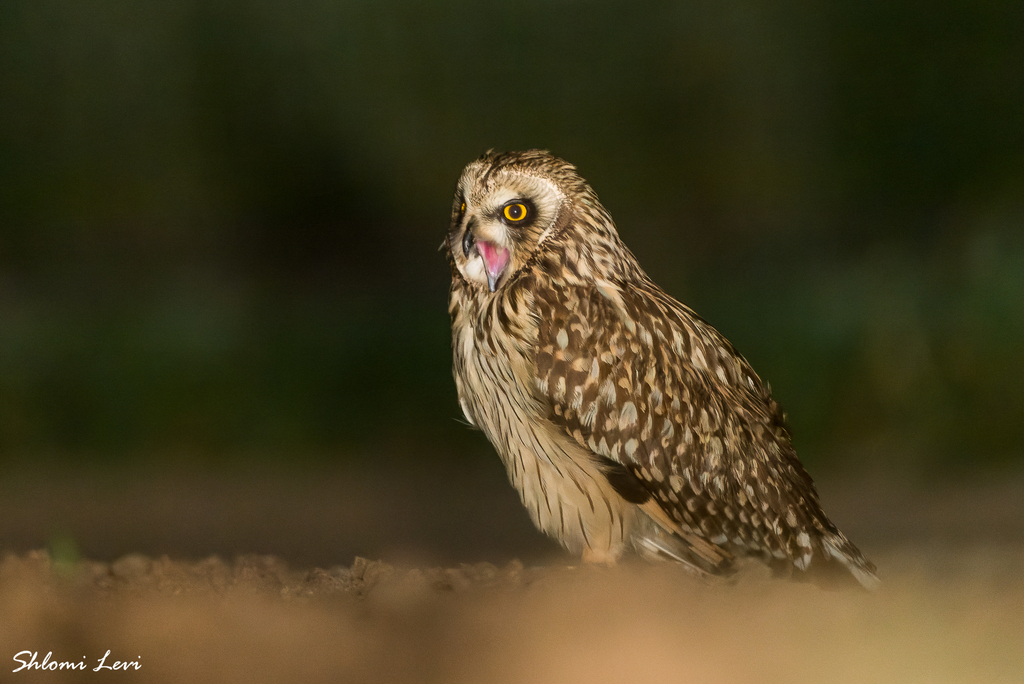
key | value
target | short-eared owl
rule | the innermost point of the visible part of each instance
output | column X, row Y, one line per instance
column 625, row 421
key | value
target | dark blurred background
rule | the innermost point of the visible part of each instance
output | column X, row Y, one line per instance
column 219, row 219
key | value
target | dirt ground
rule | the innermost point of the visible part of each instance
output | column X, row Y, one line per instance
column 951, row 607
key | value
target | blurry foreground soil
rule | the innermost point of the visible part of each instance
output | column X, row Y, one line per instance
column 951, row 607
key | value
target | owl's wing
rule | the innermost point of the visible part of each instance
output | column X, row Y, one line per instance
column 682, row 424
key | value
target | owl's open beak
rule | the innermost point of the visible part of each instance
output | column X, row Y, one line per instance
column 495, row 262
column 495, row 258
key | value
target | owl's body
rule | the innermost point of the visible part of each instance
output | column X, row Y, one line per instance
column 625, row 421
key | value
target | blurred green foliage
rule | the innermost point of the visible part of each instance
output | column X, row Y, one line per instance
column 219, row 220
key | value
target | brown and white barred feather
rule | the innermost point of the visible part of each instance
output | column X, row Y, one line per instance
column 625, row 421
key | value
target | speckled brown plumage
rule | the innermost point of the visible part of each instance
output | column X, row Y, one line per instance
column 625, row 421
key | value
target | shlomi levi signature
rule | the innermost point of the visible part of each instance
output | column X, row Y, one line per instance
column 30, row 661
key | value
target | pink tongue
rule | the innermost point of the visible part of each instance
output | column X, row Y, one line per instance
column 495, row 258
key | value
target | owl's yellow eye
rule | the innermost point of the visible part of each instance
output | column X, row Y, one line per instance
column 463, row 209
column 515, row 211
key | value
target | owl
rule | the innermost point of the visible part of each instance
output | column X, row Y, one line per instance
column 625, row 421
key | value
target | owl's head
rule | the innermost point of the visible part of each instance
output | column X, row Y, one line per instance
column 508, row 206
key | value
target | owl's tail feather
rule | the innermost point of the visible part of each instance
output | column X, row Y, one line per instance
column 667, row 540
column 830, row 561
column 838, row 548
column 674, row 550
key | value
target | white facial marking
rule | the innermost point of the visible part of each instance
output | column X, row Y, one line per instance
column 474, row 269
